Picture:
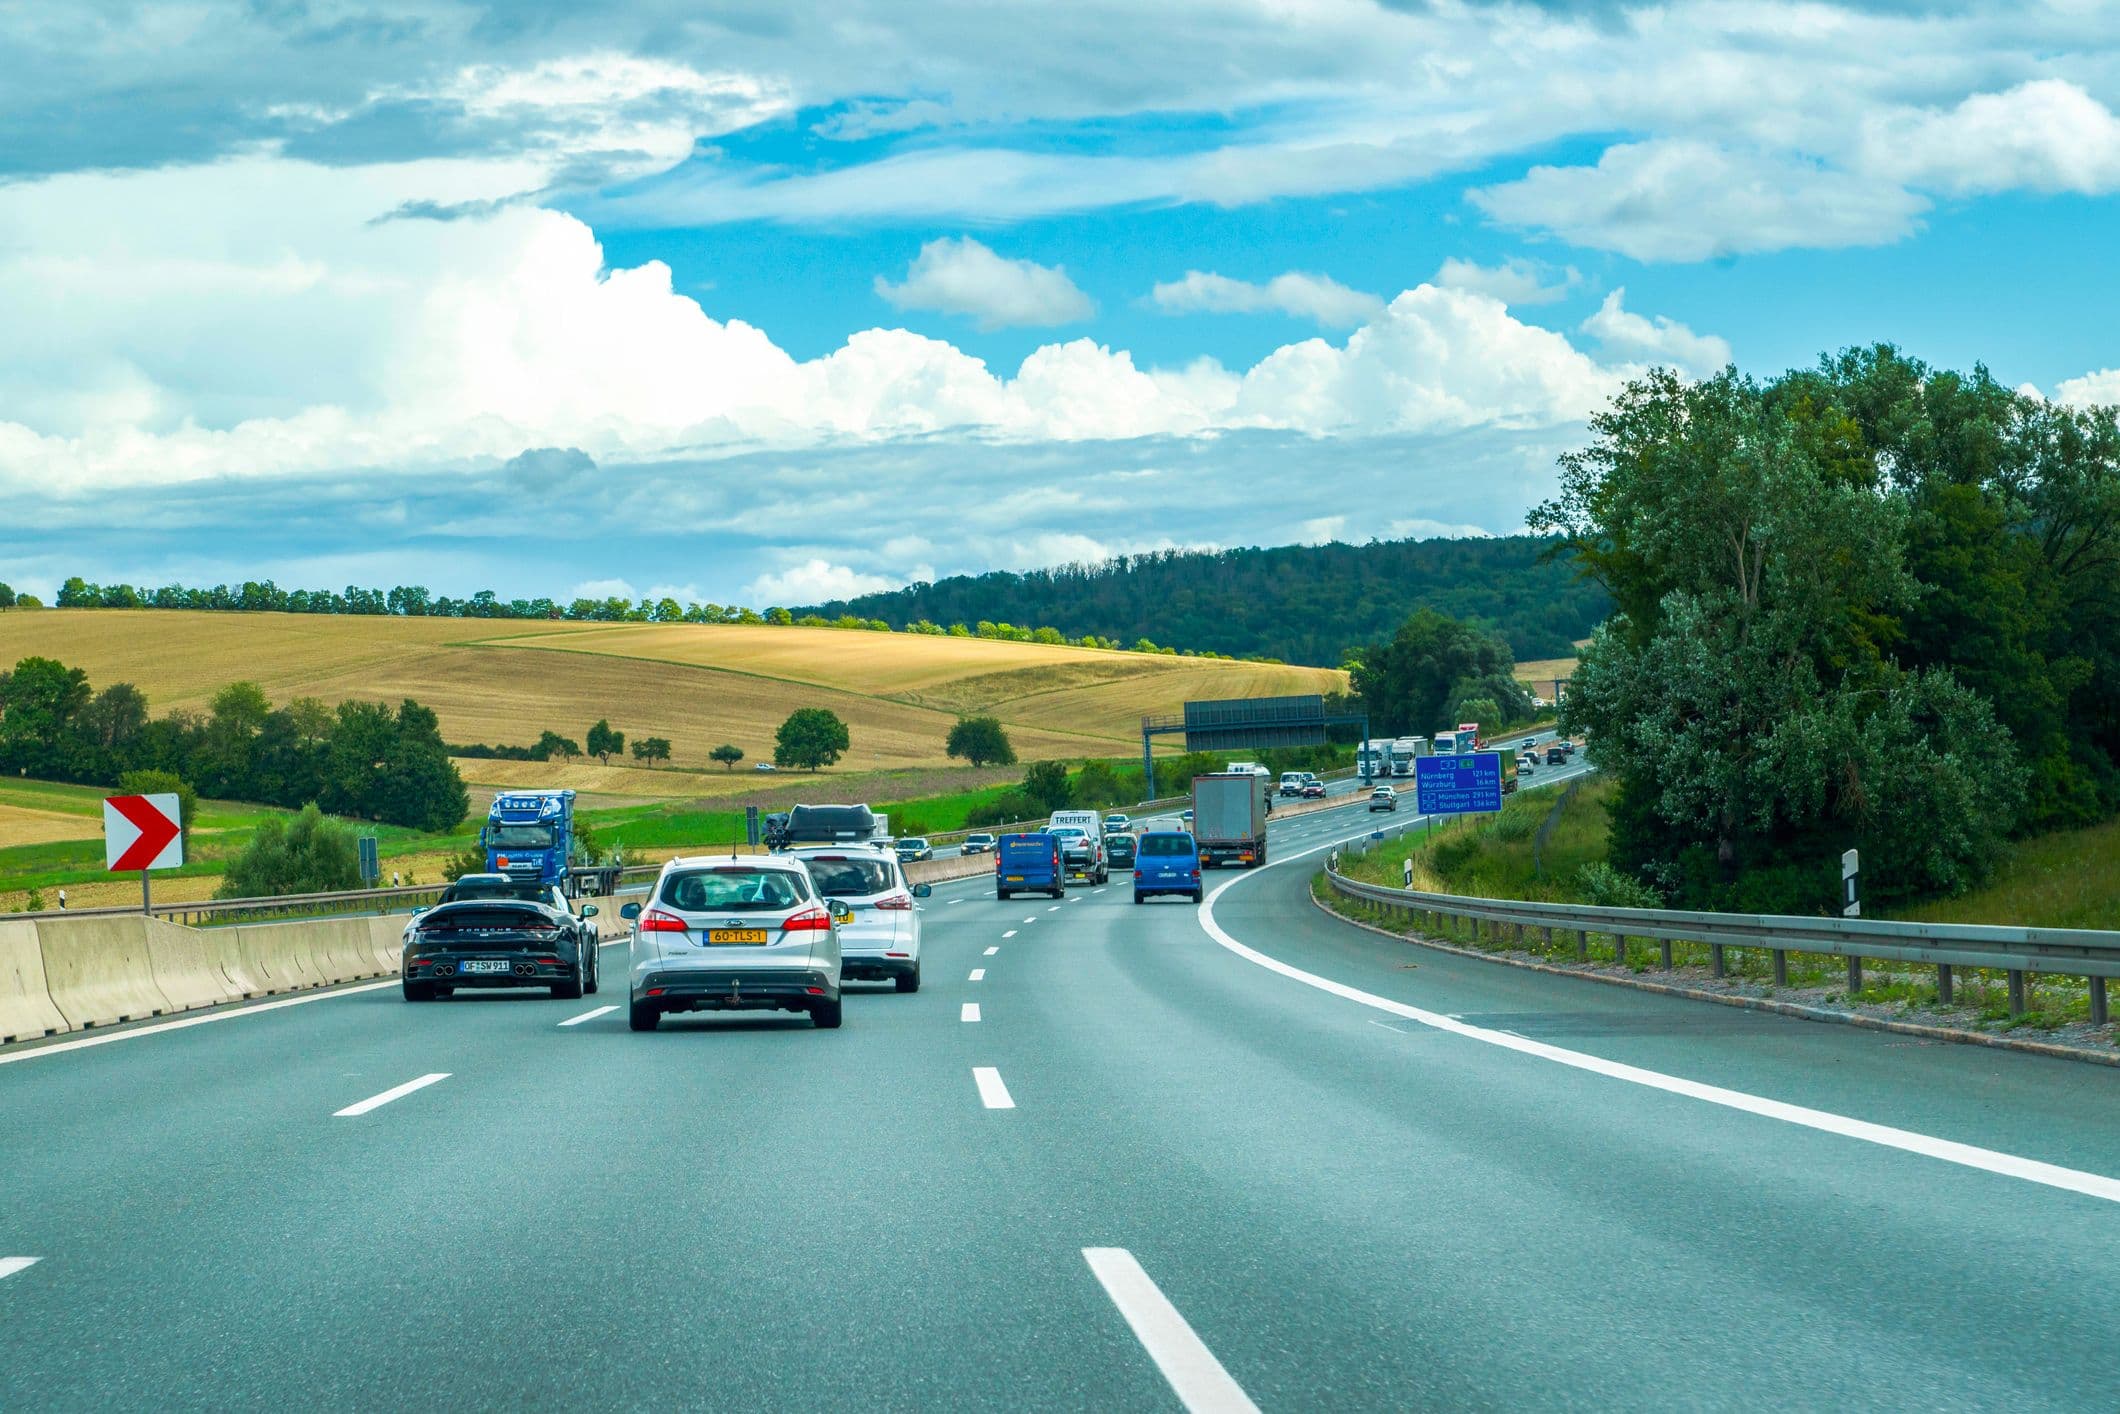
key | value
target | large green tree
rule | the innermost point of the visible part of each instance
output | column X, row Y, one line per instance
column 982, row 741
column 1412, row 680
column 810, row 738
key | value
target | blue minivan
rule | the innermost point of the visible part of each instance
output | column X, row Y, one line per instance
column 1029, row 864
column 1168, row 862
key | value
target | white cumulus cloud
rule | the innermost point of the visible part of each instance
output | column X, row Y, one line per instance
column 2099, row 389
column 1318, row 298
column 1515, row 281
column 1657, row 340
column 2047, row 135
column 961, row 276
column 813, row 581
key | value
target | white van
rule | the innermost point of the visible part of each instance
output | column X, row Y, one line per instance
column 1089, row 825
column 1291, row 783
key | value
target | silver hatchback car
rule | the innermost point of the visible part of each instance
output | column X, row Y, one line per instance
column 735, row 934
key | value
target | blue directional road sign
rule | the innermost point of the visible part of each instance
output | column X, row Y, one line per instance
column 1458, row 785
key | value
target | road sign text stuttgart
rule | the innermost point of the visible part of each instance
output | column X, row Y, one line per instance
column 142, row 832
column 1458, row 785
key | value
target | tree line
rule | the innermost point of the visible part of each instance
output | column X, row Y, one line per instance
column 1871, row 605
column 361, row 759
column 1294, row 603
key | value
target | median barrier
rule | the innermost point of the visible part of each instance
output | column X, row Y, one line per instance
column 98, row 970
column 386, row 940
column 276, row 956
column 26, row 1010
column 184, row 966
column 942, row 871
column 224, row 950
column 341, row 949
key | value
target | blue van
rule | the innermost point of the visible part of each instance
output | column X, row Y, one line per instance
column 1030, row 863
column 1168, row 862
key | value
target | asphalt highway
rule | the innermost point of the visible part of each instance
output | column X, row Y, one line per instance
column 1109, row 1157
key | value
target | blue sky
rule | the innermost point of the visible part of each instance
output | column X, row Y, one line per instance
column 766, row 302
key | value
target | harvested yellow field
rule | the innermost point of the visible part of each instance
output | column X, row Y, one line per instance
column 1540, row 672
column 614, row 781
column 698, row 685
column 20, row 826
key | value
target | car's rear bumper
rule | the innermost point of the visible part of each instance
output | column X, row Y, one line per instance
column 876, row 967
column 736, row 988
column 522, row 972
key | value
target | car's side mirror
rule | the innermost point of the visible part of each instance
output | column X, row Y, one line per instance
column 923, row 891
column 589, row 910
column 631, row 910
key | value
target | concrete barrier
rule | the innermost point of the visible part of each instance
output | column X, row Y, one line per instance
column 223, row 948
column 343, row 950
column 26, row 1010
column 956, row 866
column 98, row 970
column 185, row 968
column 386, row 939
column 276, row 956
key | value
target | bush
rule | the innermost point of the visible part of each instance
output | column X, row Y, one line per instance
column 165, row 783
column 1602, row 886
column 471, row 861
column 310, row 854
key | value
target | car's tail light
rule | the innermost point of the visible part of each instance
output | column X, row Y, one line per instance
column 547, row 961
column 656, row 920
column 898, row 903
column 1196, row 871
column 810, row 920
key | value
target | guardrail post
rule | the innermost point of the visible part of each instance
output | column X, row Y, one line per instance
column 1781, row 967
column 2098, row 1016
column 1664, row 947
column 2016, row 992
column 1715, row 958
column 1619, row 948
column 1520, row 937
column 1582, row 945
column 1854, row 976
column 1943, row 983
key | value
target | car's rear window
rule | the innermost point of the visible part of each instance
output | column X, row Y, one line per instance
column 1166, row 844
column 526, row 893
column 851, row 878
column 481, row 918
column 733, row 890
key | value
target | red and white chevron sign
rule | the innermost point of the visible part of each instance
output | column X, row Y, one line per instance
column 142, row 832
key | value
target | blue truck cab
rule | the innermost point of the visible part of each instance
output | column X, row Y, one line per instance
column 1029, row 863
column 529, row 835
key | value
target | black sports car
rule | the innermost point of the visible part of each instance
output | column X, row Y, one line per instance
column 495, row 943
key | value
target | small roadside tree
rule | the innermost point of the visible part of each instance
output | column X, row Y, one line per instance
column 651, row 748
column 982, row 741
column 551, row 744
column 605, row 743
column 727, row 755
column 811, row 737
column 1047, row 785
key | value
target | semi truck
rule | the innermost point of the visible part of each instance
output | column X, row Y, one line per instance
column 1373, row 760
column 1229, row 819
column 530, row 837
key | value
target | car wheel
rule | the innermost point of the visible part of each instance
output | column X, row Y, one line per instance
column 1001, row 894
column 571, row 988
column 418, row 991
column 643, row 1016
column 1199, row 894
column 909, row 981
column 1138, row 900
column 596, row 969
column 1060, row 892
column 826, row 1015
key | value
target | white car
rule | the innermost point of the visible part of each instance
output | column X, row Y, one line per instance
column 1116, row 824
column 765, row 766
column 882, row 943
column 1087, row 858
column 729, row 933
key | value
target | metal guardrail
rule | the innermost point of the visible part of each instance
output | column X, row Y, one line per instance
column 2068, row 952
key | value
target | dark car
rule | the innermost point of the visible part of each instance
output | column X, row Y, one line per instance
column 830, row 824
column 1029, row 863
column 1313, row 790
column 494, row 943
column 913, row 849
column 1119, row 850
column 978, row 842
column 1556, row 756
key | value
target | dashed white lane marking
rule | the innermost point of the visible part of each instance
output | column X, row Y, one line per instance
column 992, row 1093
column 2092, row 1185
column 1010, row 933
column 395, row 1092
column 589, row 1015
column 228, row 1015
column 955, row 901
column 10, row 1265
column 1195, row 1376
column 1055, row 908
column 978, row 974
column 991, row 951
column 968, row 1012
column 1032, row 919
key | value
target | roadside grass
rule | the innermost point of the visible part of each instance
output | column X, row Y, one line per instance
column 2073, row 876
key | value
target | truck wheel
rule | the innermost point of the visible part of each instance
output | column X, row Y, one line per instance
column 826, row 1015
column 643, row 1016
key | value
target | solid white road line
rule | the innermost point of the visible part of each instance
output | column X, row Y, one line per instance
column 159, row 1027
column 1195, row 1376
column 968, row 1012
column 590, row 1015
column 992, row 1093
column 991, row 951
column 1971, row 1156
column 978, row 974
column 395, row 1092
column 10, row 1265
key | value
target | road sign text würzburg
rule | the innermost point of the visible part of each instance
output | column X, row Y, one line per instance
column 142, row 832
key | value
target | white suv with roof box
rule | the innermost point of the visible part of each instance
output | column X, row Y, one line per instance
column 882, row 943
column 736, row 934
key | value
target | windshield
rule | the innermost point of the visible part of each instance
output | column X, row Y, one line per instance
column 519, row 837
column 733, row 890
column 851, row 878
column 912, row 842
column 1166, row 844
